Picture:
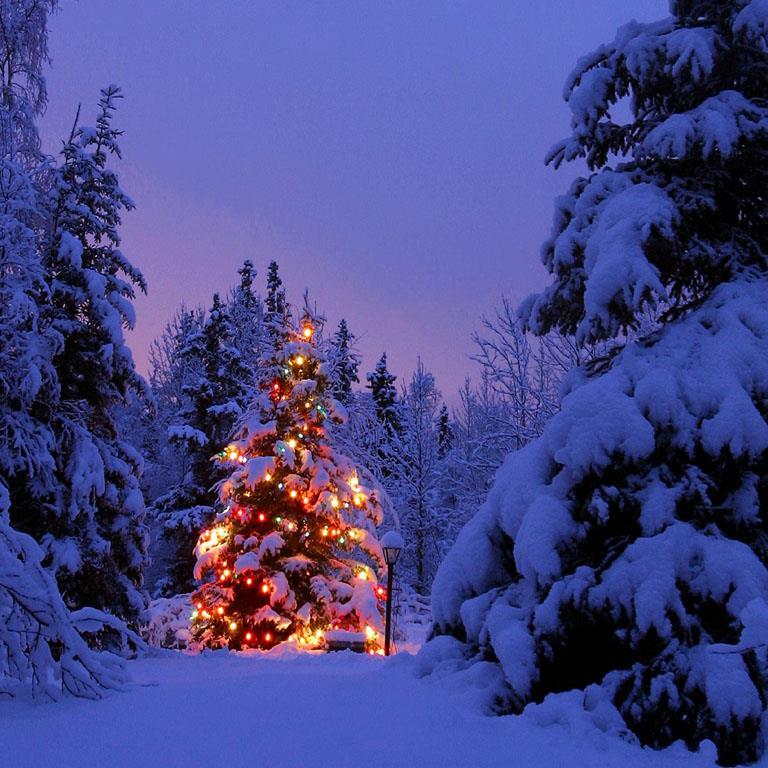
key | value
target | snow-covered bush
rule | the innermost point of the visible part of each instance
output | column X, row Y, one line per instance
column 626, row 547
column 41, row 652
column 165, row 622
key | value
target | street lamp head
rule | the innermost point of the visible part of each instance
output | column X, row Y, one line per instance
column 391, row 544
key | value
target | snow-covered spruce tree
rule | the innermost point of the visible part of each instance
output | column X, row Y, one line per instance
column 277, row 311
column 90, row 520
column 214, row 399
column 444, row 432
column 382, row 385
column 41, row 652
column 624, row 551
column 246, row 313
column 286, row 556
column 344, row 363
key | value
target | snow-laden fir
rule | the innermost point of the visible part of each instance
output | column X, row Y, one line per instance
column 626, row 547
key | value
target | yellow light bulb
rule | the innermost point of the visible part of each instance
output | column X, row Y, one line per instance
column 299, row 360
column 232, row 626
column 220, row 611
column 334, row 502
column 307, row 332
column 292, row 443
column 294, row 494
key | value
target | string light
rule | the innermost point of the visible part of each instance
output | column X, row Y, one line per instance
column 220, row 611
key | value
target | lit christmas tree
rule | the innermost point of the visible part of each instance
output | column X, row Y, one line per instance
column 293, row 553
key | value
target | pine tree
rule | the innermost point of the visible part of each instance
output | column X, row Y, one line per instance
column 283, row 557
column 382, row 385
column 246, row 314
column 213, row 399
column 276, row 305
column 624, row 551
column 91, row 521
column 344, row 364
column 41, row 652
column 444, row 432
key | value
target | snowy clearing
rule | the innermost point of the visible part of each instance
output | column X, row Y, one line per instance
column 286, row 710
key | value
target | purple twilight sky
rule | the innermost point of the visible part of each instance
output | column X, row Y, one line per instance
column 389, row 155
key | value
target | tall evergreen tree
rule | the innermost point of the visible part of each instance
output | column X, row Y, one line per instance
column 246, row 313
column 41, row 651
column 91, row 522
column 344, row 364
column 382, row 385
column 276, row 305
column 444, row 432
column 213, row 400
column 624, row 551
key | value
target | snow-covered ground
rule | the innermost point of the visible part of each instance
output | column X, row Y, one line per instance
column 285, row 710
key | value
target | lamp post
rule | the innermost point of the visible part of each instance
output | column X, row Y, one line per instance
column 391, row 544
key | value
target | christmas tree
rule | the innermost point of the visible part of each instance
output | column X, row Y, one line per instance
column 293, row 552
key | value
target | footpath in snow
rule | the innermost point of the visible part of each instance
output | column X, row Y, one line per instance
column 289, row 710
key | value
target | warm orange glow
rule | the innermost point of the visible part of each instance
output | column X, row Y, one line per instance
column 359, row 499
column 199, row 606
column 248, row 636
column 294, row 493
column 265, row 588
column 232, row 625
column 292, row 443
column 262, row 517
column 307, row 331
column 267, row 637
column 334, row 502
column 267, row 477
column 249, row 581
column 226, row 572
column 220, row 611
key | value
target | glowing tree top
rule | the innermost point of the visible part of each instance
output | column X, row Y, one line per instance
column 290, row 554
